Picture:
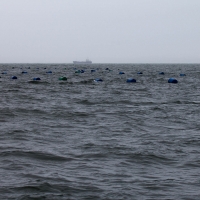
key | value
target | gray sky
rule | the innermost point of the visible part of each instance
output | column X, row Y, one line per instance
column 105, row 31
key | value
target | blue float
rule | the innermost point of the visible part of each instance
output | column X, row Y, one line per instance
column 182, row 74
column 82, row 71
column 121, row 73
column 13, row 77
column 36, row 79
column 93, row 70
column 24, row 72
column 139, row 73
column 98, row 80
column 131, row 80
column 4, row 73
column 49, row 72
column 107, row 68
column 161, row 73
column 172, row 80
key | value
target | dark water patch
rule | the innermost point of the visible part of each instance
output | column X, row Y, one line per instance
column 35, row 155
column 39, row 82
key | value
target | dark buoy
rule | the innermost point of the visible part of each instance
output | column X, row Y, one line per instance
column 93, row 70
column 107, row 68
column 139, row 73
column 24, row 72
column 162, row 73
column 121, row 73
column 182, row 74
column 49, row 72
column 45, row 68
column 98, row 80
column 36, row 79
column 172, row 80
column 82, row 71
column 13, row 77
column 62, row 78
column 4, row 73
column 131, row 80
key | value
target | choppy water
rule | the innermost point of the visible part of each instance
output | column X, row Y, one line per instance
column 80, row 139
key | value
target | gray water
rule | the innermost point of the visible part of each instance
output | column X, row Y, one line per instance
column 80, row 139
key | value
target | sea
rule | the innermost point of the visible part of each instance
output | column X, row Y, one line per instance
column 81, row 139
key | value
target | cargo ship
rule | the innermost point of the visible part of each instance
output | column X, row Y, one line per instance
column 83, row 62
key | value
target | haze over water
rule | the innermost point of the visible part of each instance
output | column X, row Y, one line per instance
column 80, row 139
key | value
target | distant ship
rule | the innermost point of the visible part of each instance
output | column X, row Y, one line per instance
column 83, row 62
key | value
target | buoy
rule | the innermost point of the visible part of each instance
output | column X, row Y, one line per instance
column 36, row 79
column 24, row 72
column 49, row 72
column 161, row 73
column 63, row 78
column 107, row 68
column 45, row 68
column 172, row 80
column 121, row 73
column 131, row 80
column 139, row 73
column 182, row 74
column 13, row 77
column 4, row 73
column 92, row 70
column 77, row 71
column 82, row 71
column 98, row 80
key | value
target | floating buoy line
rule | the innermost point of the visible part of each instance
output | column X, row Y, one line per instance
column 93, row 72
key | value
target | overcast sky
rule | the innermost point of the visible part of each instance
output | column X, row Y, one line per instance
column 105, row 31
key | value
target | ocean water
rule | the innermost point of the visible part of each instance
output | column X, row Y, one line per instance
column 80, row 139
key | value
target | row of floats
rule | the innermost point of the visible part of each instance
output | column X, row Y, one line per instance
column 129, row 80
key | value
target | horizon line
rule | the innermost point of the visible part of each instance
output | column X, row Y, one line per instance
column 99, row 63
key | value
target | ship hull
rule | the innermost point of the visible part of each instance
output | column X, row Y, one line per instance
column 82, row 62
